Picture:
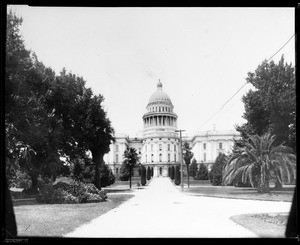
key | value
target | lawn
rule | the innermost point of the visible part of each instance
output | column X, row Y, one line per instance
column 204, row 188
column 265, row 225
column 55, row 220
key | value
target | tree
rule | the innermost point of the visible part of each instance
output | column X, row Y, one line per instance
column 151, row 171
column 172, row 172
column 143, row 176
column 106, row 175
column 169, row 171
column 148, row 173
column 202, row 174
column 90, row 129
column 187, row 156
column 29, row 120
column 131, row 158
column 177, row 175
column 216, row 172
column 271, row 106
column 193, row 168
column 260, row 161
column 124, row 172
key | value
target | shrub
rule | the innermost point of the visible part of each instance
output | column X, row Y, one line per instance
column 21, row 180
column 45, row 194
column 58, row 196
column 106, row 175
column 193, row 168
column 215, row 175
column 148, row 173
column 124, row 172
column 177, row 175
column 172, row 172
column 143, row 176
column 202, row 173
column 77, row 192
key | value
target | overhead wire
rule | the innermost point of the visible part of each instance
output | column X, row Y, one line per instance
column 244, row 84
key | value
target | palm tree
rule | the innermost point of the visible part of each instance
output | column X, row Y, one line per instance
column 258, row 162
column 131, row 158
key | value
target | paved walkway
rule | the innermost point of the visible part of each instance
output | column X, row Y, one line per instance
column 160, row 210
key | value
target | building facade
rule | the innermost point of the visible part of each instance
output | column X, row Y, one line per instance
column 159, row 146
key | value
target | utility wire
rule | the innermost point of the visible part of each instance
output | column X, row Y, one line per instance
column 244, row 84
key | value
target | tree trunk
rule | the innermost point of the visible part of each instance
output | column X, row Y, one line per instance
column 278, row 186
column 34, row 181
column 264, row 186
column 97, row 160
column 188, row 173
column 130, row 170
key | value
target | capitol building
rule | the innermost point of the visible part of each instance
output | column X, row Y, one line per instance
column 159, row 145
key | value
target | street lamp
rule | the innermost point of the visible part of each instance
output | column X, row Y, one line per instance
column 181, row 156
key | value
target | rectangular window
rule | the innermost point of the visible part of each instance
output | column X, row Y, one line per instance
column 151, row 157
column 160, row 147
column 146, row 158
column 204, row 157
column 151, row 147
column 204, row 146
column 117, row 158
column 117, row 148
column 145, row 147
column 174, row 157
column 168, row 157
column 220, row 145
column 174, row 147
column 168, row 147
column 160, row 157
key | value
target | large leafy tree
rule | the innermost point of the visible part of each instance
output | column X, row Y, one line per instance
column 91, row 129
column 130, row 158
column 48, row 116
column 271, row 105
column 259, row 161
column 30, row 123
column 187, row 156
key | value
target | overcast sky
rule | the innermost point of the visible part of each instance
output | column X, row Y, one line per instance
column 201, row 55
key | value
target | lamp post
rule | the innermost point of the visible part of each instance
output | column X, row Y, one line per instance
column 181, row 158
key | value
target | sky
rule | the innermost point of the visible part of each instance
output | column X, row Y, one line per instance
column 201, row 55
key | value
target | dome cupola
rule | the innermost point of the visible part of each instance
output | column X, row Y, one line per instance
column 159, row 96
